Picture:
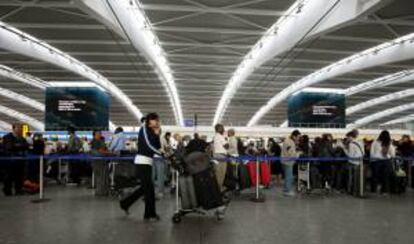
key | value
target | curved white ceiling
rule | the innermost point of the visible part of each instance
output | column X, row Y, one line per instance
column 25, row 78
column 30, row 80
column 397, row 50
column 396, row 78
column 22, row 117
column 400, row 120
column 303, row 20
column 17, row 41
column 380, row 100
column 138, row 30
column 380, row 115
column 5, row 126
column 23, row 99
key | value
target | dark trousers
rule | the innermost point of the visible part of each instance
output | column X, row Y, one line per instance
column 144, row 173
column 381, row 175
column 325, row 170
column 354, row 178
column 75, row 171
column 14, row 176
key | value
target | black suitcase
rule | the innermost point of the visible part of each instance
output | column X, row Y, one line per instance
column 187, row 192
column 197, row 162
column 207, row 189
column 244, row 177
column 230, row 180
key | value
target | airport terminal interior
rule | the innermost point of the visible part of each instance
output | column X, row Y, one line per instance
column 206, row 121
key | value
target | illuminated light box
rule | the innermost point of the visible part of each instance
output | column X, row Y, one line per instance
column 82, row 105
column 317, row 107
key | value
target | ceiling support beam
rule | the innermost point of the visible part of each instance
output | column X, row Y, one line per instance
column 17, row 41
column 394, row 51
column 309, row 19
column 127, row 18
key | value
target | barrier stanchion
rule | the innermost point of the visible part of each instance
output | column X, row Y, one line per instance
column 361, row 179
column 258, row 197
column 41, row 183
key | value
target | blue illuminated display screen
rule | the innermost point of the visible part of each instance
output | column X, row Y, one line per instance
column 84, row 108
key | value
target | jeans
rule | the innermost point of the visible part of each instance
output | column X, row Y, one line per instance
column 158, row 174
column 288, row 183
column 144, row 173
column 354, row 178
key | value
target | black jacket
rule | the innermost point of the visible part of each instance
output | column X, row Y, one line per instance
column 15, row 145
column 153, row 139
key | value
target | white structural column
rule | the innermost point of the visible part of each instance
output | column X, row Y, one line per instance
column 303, row 20
column 22, row 117
column 380, row 115
column 17, row 41
column 400, row 120
column 128, row 19
column 397, row 50
column 380, row 100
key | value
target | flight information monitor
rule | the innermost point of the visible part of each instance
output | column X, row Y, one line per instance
column 84, row 108
column 317, row 107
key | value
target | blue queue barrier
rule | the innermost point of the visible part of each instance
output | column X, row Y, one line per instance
column 244, row 159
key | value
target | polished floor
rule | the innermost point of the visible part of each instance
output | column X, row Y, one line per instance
column 74, row 215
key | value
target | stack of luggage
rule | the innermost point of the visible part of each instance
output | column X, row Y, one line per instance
column 197, row 186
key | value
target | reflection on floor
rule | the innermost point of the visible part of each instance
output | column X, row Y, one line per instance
column 74, row 215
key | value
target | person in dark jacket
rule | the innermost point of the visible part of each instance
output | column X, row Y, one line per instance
column 326, row 150
column 276, row 166
column 149, row 145
column 196, row 145
column 14, row 145
column 38, row 149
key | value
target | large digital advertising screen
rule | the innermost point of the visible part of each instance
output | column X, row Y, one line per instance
column 84, row 108
column 317, row 108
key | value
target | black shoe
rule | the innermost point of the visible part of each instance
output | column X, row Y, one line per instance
column 124, row 208
column 7, row 193
column 153, row 219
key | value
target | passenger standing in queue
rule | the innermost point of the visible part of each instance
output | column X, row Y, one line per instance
column 220, row 147
column 149, row 144
column 14, row 146
column 289, row 151
column 382, row 152
column 100, row 167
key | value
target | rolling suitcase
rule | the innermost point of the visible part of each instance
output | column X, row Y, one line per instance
column 244, row 178
column 197, row 162
column 251, row 166
column 230, row 180
column 187, row 193
column 207, row 189
column 265, row 175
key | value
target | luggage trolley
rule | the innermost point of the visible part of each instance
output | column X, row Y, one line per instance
column 190, row 189
column 309, row 178
column 122, row 175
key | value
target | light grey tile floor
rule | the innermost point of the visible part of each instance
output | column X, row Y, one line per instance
column 74, row 215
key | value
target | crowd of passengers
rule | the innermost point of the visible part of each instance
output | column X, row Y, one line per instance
column 377, row 155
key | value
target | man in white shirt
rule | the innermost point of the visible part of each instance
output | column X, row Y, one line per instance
column 289, row 150
column 220, row 147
